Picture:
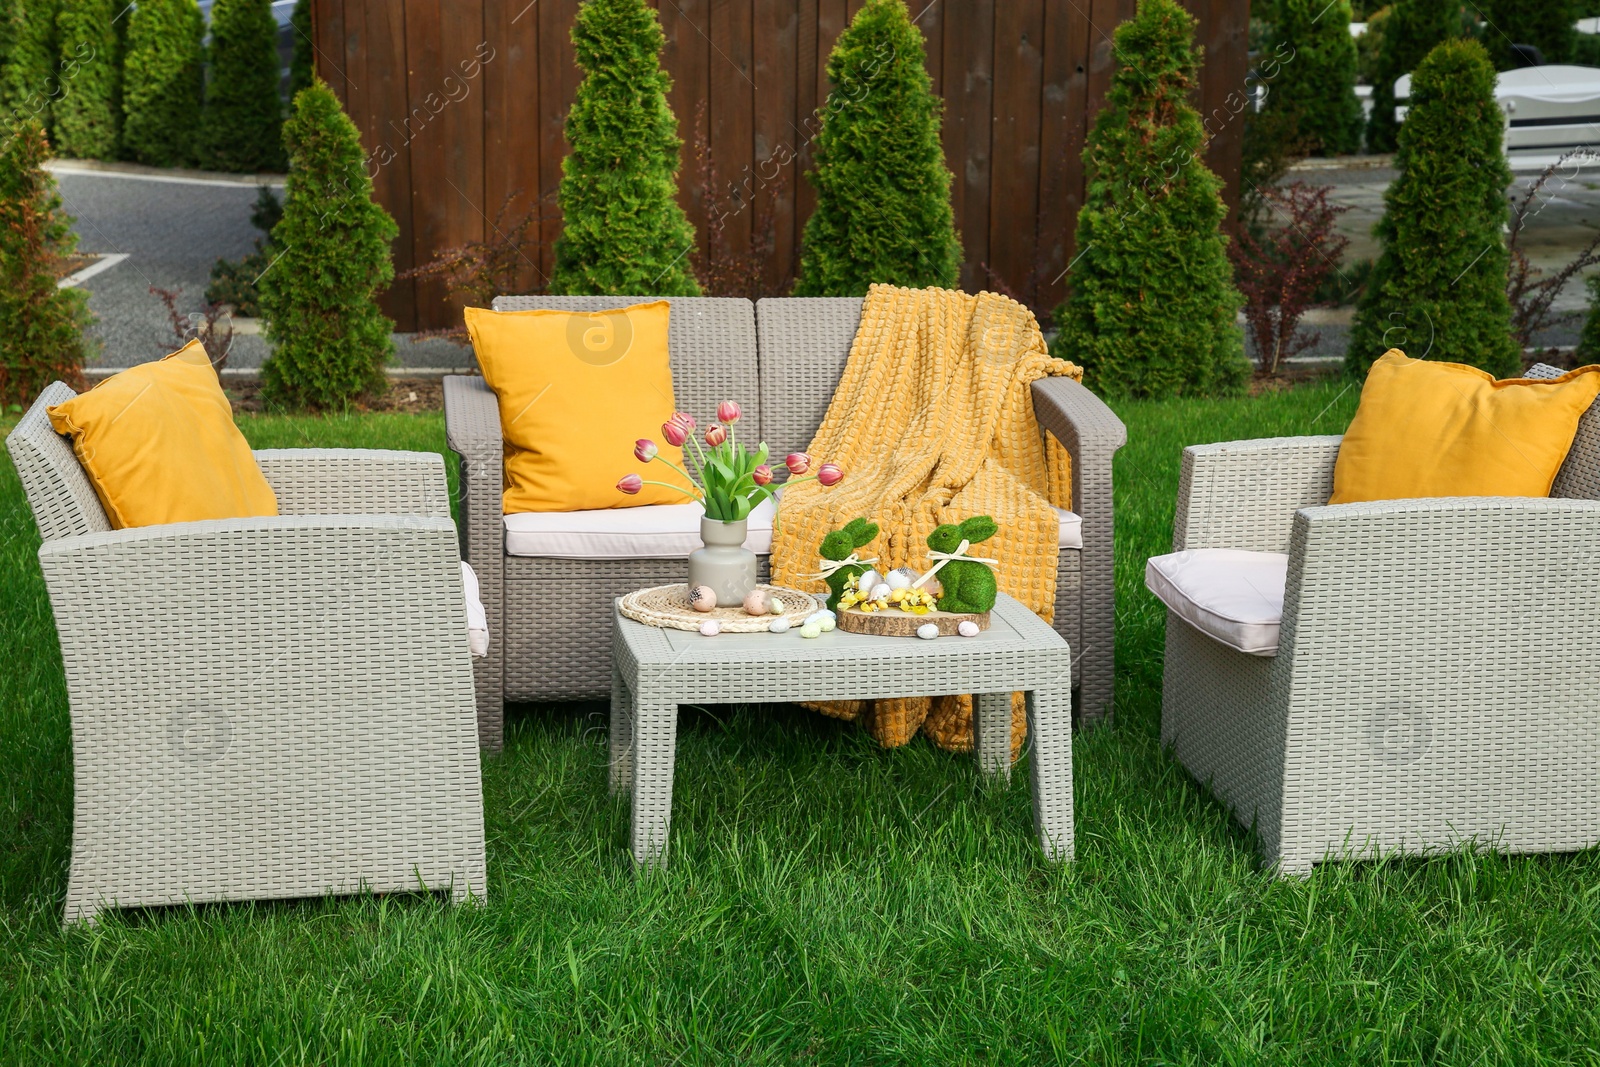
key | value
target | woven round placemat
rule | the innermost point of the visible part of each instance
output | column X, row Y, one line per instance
column 667, row 606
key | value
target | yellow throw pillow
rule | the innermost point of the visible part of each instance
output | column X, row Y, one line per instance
column 576, row 390
column 1444, row 429
column 159, row 444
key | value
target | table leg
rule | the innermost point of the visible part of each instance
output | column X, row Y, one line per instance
column 621, row 736
column 991, row 733
column 655, row 744
column 1050, row 738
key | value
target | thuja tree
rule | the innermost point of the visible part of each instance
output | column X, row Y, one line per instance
column 301, row 64
column 1316, row 84
column 242, row 124
column 883, row 191
column 622, row 228
column 88, row 115
column 1410, row 31
column 1438, row 289
column 161, row 82
column 1545, row 24
column 319, row 298
column 28, row 49
column 41, row 326
column 1152, row 305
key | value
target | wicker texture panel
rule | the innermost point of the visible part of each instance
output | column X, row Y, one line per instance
column 712, row 342
column 472, row 430
column 656, row 670
column 350, row 481
column 302, row 721
column 59, row 492
column 1091, row 433
column 1243, row 494
column 1431, row 688
column 804, row 344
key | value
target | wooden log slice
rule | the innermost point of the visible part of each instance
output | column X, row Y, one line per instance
column 893, row 622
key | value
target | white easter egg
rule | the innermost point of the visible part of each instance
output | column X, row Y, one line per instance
column 779, row 626
column 901, row 578
column 811, row 629
column 928, row 631
column 868, row 579
column 881, row 591
column 968, row 628
column 710, row 628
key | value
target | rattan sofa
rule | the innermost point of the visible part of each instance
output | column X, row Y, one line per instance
column 550, row 617
column 269, row 707
column 1435, row 683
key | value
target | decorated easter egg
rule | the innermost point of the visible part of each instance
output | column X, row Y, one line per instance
column 901, row 578
column 811, row 629
column 779, row 626
column 881, row 591
column 701, row 598
column 968, row 628
column 928, row 631
column 710, row 628
column 756, row 602
column 869, row 578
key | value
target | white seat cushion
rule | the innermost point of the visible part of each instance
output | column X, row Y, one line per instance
column 477, row 618
column 1235, row 597
column 654, row 531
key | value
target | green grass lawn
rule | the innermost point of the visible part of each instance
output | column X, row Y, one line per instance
column 829, row 901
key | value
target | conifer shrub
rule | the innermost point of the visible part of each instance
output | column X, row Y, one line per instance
column 329, row 339
column 242, row 119
column 41, row 326
column 1152, row 305
column 622, row 229
column 1545, row 24
column 1316, row 86
column 88, row 115
column 883, row 191
column 302, row 65
column 1410, row 30
column 29, row 84
column 161, row 83
column 1438, row 288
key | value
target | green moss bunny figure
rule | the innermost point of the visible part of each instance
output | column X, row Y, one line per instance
column 838, row 545
column 968, row 585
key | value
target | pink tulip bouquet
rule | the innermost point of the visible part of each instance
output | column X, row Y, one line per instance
column 733, row 480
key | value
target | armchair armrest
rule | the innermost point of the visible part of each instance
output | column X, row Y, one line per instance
column 258, row 598
column 1078, row 419
column 356, row 481
column 1244, row 494
column 472, row 429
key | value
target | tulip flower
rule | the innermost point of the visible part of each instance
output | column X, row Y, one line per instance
column 797, row 462
column 716, row 434
column 685, row 418
column 645, row 450
column 675, row 432
column 630, row 484
column 728, row 412
column 762, row 475
column 829, row 474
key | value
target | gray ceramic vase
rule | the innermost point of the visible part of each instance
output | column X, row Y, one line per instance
column 723, row 563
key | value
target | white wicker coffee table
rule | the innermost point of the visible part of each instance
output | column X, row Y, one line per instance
column 654, row 670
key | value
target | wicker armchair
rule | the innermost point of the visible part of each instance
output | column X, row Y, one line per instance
column 1434, row 683
column 550, row 617
column 270, row 707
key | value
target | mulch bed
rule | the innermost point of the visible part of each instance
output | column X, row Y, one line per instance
column 404, row 394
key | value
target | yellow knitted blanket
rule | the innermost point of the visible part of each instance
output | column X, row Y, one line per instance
column 933, row 423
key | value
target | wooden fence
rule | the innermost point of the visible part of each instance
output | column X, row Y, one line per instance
column 461, row 103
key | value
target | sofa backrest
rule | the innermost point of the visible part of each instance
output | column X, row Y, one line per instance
column 63, row 501
column 711, row 342
column 1579, row 477
column 803, row 343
